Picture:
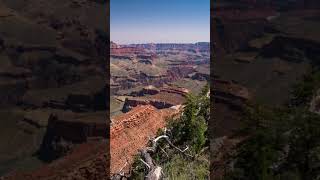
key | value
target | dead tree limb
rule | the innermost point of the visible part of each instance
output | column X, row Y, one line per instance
column 155, row 172
column 154, row 145
column 164, row 152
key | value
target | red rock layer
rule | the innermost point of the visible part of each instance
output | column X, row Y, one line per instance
column 181, row 91
column 126, row 51
column 131, row 132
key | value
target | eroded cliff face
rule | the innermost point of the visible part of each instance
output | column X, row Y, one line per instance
column 165, row 98
column 141, row 65
column 130, row 52
column 249, row 22
column 229, row 103
column 144, row 114
column 292, row 49
column 87, row 161
column 131, row 132
column 142, row 79
column 66, row 130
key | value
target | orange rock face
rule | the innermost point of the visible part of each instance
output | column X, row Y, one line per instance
column 126, row 51
column 131, row 132
column 130, row 52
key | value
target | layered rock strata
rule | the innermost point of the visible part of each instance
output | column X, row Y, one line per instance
column 131, row 132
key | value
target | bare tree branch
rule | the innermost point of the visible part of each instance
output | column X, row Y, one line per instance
column 164, row 152
column 145, row 163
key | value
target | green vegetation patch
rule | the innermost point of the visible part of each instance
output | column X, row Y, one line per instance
column 304, row 90
column 281, row 143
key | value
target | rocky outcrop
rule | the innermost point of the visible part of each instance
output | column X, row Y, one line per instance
column 87, row 161
column 164, row 98
column 145, row 61
column 64, row 129
column 229, row 102
column 126, row 51
column 131, row 52
column 180, row 91
column 79, row 96
column 131, row 131
column 113, row 45
column 221, row 149
column 201, row 76
column 133, row 102
column 129, row 57
column 172, row 74
column 228, row 89
column 151, row 90
column 148, row 90
column 250, row 22
column 180, row 71
column 292, row 49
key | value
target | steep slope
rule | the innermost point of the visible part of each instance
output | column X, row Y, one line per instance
column 131, row 132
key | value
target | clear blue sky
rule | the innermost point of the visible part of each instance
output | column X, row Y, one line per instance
column 159, row 21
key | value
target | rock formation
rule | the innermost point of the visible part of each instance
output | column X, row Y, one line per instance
column 131, row 132
column 86, row 161
column 229, row 102
column 161, row 99
column 233, row 16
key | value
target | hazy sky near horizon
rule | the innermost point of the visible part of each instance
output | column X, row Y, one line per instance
column 159, row 21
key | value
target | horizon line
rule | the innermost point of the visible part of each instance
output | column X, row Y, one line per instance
column 160, row 43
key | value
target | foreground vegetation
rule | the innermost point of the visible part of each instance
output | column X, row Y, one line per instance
column 281, row 142
column 189, row 130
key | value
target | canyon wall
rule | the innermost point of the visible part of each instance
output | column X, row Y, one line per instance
column 131, row 132
column 229, row 103
column 87, row 161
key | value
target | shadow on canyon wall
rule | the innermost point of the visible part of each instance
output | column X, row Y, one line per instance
column 261, row 50
column 54, row 89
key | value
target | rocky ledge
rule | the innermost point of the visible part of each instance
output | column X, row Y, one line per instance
column 131, row 132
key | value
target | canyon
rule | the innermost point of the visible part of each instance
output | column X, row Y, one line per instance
column 137, row 66
column 53, row 90
column 149, row 85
